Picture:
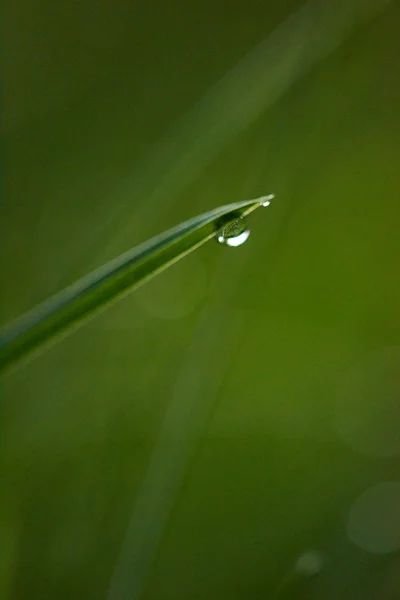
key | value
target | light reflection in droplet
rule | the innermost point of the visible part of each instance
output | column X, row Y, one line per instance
column 234, row 233
column 234, row 241
column 266, row 200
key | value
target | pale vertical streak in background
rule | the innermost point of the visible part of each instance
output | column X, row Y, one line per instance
column 193, row 398
column 195, row 392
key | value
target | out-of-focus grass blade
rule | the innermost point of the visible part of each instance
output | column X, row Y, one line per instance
column 71, row 307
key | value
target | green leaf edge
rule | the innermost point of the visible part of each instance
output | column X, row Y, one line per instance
column 72, row 307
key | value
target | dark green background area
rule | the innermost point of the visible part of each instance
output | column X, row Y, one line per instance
column 220, row 380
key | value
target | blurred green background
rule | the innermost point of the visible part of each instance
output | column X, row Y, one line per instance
column 242, row 408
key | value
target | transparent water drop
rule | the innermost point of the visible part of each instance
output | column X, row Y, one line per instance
column 234, row 233
column 266, row 200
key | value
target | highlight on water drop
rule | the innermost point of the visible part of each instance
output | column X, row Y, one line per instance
column 266, row 200
column 234, row 233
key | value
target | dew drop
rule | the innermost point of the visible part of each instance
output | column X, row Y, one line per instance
column 266, row 200
column 234, row 233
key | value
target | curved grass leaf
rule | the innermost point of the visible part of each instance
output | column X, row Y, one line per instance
column 68, row 309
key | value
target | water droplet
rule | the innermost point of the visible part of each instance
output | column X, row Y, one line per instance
column 266, row 200
column 234, row 233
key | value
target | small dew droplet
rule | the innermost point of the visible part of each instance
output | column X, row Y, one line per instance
column 266, row 200
column 234, row 233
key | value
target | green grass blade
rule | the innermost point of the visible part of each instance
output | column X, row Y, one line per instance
column 68, row 309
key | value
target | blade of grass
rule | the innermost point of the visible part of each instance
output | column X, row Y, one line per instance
column 71, row 307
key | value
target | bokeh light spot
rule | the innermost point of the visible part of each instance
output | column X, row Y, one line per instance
column 374, row 519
